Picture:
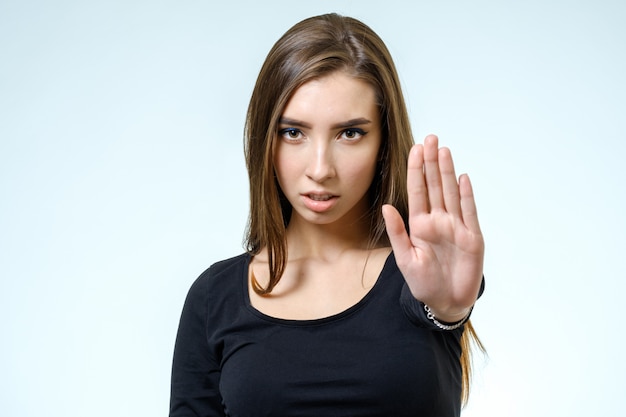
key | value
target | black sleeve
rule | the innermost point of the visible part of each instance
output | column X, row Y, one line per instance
column 195, row 372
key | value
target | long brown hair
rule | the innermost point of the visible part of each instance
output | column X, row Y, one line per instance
column 311, row 49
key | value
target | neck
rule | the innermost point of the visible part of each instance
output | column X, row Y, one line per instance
column 326, row 241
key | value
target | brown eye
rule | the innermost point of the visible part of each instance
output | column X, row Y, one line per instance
column 290, row 134
column 352, row 134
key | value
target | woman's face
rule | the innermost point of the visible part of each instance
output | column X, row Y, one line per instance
column 328, row 140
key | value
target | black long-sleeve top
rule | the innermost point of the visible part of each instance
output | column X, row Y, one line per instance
column 380, row 357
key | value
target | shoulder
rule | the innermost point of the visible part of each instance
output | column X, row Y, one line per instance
column 390, row 268
column 227, row 266
column 223, row 267
column 222, row 274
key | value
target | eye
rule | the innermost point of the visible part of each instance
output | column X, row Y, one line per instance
column 290, row 133
column 353, row 133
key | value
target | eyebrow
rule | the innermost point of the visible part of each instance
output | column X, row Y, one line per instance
column 348, row 123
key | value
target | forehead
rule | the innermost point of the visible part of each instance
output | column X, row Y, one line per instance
column 334, row 96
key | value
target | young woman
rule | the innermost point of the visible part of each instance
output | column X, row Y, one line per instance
column 364, row 253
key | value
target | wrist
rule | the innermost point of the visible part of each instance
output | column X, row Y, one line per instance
column 448, row 321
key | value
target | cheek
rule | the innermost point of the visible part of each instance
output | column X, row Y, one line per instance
column 285, row 168
column 363, row 169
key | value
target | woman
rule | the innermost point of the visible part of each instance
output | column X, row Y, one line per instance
column 336, row 309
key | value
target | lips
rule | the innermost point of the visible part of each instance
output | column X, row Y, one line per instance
column 320, row 197
column 319, row 202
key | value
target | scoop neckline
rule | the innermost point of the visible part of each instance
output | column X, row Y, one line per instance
column 319, row 321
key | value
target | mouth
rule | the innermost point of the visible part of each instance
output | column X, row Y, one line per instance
column 320, row 197
column 319, row 202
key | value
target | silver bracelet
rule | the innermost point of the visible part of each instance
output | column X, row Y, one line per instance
column 431, row 317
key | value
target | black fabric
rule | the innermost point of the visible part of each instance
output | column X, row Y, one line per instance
column 381, row 357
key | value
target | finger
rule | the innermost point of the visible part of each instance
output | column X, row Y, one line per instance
column 398, row 236
column 432, row 173
column 450, row 185
column 468, row 204
column 415, row 182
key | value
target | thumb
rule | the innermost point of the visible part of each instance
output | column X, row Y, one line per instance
column 398, row 236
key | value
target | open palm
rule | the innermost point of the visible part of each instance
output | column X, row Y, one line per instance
column 441, row 256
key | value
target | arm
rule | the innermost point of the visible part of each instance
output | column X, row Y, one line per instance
column 195, row 372
column 441, row 256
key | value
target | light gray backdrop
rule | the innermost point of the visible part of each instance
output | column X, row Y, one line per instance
column 122, row 178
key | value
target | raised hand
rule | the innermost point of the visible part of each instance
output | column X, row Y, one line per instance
column 441, row 257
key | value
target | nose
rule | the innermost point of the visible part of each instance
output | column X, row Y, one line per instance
column 321, row 162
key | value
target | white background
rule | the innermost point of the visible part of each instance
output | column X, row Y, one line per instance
column 122, row 178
